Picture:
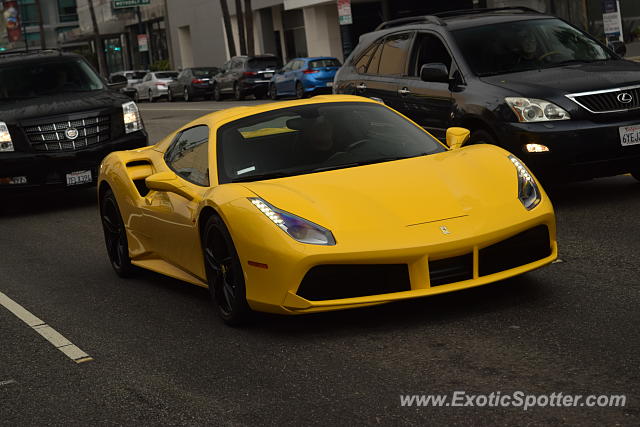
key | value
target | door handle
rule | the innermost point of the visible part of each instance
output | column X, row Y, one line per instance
column 404, row 91
column 361, row 86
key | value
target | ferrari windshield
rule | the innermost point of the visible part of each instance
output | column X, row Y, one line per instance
column 314, row 138
column 525, row 45
column 30, row 80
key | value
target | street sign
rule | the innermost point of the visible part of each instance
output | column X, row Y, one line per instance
column 121, row 4
column 344, row 12
column 612, row 20
column 143, row 43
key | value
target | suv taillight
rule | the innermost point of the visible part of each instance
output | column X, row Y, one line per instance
column 198, row 81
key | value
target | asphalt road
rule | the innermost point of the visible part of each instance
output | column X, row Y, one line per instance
column 161, row 356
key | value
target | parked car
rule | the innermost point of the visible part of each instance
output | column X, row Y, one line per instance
column 541, row 88
column 301, row 76
column 59, row 119
column 323, row 204
column 154, row 85
column 246, row 75
column 192, row 83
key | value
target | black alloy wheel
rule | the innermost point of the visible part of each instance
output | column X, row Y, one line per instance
column 299, row 90
column 237, row 93
column 224, row 273
column 115, row 235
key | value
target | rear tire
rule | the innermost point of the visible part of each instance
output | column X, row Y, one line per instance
column 115, row 235
column 224, row 273
column 237, row 93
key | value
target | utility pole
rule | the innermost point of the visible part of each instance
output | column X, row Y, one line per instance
column 102, row 67
column 231, row 44
column 43, row 39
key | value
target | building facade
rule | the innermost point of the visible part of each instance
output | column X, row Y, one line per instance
column 132, row 38
column 58, row 17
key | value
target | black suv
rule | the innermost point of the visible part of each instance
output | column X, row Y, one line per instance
column 531, row 83
column 246, row 75
column 58, row 119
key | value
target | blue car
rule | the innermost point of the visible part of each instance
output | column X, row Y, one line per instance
column 304, row 75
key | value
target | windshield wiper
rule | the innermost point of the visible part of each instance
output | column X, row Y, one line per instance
column 365, row 162
column 270, row 175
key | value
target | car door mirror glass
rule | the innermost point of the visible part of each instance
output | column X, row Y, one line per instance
column 434, row 72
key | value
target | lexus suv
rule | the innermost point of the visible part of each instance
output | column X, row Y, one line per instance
column 59, row 119
column 245, row 75
column 529, row 82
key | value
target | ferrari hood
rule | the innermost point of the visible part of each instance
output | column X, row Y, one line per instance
column 399, row 193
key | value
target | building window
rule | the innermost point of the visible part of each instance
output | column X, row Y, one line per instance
column 67, row 10
column 28, row 12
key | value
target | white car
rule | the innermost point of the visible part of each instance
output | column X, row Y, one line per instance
column 154, row 85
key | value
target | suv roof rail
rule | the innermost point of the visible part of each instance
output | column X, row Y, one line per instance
column 424, row 19
column 30, row 52
column 478, row 11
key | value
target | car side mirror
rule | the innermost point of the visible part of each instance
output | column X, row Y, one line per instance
column 457, row 137
column 619, row 47
column 434, row 72
column 171, row 183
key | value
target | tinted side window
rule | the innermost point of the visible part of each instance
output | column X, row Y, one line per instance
column 297, row 65
column 362, row 63
column 428, row 49
column 394, row 54
column 188, row 155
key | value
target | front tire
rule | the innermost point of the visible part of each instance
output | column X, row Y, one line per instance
column 273, row 92
column 186, row 95
column 224, row 273
column 217, row 95
column 299, row 90
column 170, row 97
column 115, row 235
column 151, row 98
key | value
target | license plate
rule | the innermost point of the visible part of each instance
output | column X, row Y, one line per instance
column 629, row 135
column 79, row 178
column 267, row 75
column 329, row 84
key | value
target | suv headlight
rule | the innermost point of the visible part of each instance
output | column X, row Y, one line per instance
column 299, row 228
column 536, row 110
column 6, row 144
column 528, row 192
column 132, row 119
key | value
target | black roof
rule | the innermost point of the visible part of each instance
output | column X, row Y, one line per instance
column 31, row 55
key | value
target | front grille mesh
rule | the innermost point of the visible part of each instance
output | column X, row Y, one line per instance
column 608, row 101
column 51, row 136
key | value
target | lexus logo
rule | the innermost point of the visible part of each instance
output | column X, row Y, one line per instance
column 71, row 133
column 625, row 98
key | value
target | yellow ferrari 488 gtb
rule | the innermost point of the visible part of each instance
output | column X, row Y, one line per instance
column 327, row 203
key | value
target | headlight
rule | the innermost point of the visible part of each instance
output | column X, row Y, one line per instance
column 6, row 144
column 536, row 110
column 299, row 228
column 132, row 119
column 528, row 191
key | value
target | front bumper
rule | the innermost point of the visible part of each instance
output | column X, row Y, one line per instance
column 279, row 288
column 578, row 149
column 50, row 168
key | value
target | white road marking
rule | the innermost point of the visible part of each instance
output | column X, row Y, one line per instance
column 8, row 382
column 47, row 332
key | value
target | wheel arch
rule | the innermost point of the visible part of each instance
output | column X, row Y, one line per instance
column 475, row 123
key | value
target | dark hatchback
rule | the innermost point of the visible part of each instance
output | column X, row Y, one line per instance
column 531, row 83
column 58, row 120
column 246, row 75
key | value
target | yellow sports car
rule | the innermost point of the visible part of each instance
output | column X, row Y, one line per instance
column 327, row 203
